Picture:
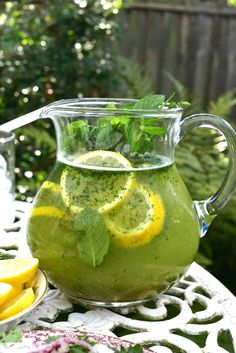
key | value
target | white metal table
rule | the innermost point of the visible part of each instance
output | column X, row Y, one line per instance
column 194, row 316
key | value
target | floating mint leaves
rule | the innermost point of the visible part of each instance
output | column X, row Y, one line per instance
column 93, row 238
column 107, row 137
column 135, row 132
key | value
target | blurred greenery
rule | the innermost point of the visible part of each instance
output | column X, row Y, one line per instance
column 190, row 2
column 67, row 49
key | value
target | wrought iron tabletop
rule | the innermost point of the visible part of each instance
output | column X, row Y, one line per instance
column 196, row 315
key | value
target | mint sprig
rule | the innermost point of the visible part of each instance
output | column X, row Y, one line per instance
column 92, row 235
column 158, row 102
column 135, row 133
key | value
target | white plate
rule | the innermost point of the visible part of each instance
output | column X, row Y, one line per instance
column 40, row 286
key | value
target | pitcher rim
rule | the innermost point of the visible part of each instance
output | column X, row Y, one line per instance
column 73, row 105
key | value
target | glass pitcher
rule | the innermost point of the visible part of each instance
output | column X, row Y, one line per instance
column 114, row 224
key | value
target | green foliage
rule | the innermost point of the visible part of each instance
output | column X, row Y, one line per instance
column 191, row 2
column 134, row 83
column 181, row 91
column 223, row 105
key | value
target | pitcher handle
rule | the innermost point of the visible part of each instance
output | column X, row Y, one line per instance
column 209, row 208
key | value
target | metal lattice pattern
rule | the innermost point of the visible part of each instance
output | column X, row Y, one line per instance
column 196, row 315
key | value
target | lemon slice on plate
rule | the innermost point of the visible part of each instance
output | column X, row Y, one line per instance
column 17, row 304
column 99, row 188
column 138, row 219
column 5, row 290
column 16, row 290
column 18, row 271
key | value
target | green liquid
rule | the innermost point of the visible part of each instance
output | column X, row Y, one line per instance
column 126, row 274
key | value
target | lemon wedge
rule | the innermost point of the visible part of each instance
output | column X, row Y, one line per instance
column 17, row 304
column 17, row 271
column 5, row 290
column 138, row 219
column 16, row 290
column 97, row 187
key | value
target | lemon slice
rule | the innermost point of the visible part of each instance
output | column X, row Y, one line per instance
column 49, row 185
column 18, row 271
column 101, row 158
column 50, row 194
column 100, row 189
column 49, row 211
column 138, row 219
column 5, row 290
column 18, row 304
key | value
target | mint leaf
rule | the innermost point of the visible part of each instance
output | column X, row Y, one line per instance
column 121, row 120
column 133, row 134
column 107, row 138
column 150, row 102
column 12, row 336
column 76, row 135
column 153, row 130
column 93, row 238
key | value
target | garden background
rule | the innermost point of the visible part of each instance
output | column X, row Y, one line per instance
column 57, row 49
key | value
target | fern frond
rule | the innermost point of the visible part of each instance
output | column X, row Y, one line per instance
column 223, row 105
column 181, row 91
column 134, row 77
